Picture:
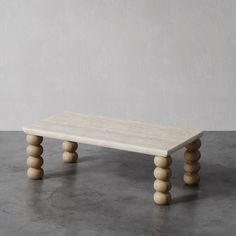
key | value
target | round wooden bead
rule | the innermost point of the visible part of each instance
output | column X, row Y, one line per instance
column 34, row 162
column 191, row 179
column 162, row 174
column 192, row 168
column 194, row 145
column 34, row 151
column 35, row 173
column 33, row 139
column 69, row 146
column 162, row 162
column 70, row 157
column 162, row 198
column 191, row 156
column 162, row 186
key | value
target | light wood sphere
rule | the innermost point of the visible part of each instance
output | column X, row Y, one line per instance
column 70, row 157
column 192, row 156
column 33, row 139
column 162, row 186
column 192, row 168
column 162, row 174
column 191, row 179
column 162, row 162
column 35, row 173
column 34, row 162
column 34, row 151
column 69, row 146
column 194, row 145
column 162, row 198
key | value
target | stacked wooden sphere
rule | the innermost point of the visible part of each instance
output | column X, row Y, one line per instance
column 191, row 163
column 34, row 160
column 162, row 184
column 69, row 152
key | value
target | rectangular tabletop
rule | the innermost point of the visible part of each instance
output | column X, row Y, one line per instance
column 153, row 139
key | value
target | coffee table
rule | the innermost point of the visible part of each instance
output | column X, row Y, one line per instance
column 153, row 139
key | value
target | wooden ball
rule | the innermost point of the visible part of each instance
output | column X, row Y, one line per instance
column 162, row 162
column 34, row 162
column 162, row 198
column 33, row 139
column 194, row 145
column 35, row 173
column 69, row 146
column 162, row 174
column 34, row 151
column 70, row 157
column 191, row 179
column 162, row 186
column 191, row 156
column 192, row 168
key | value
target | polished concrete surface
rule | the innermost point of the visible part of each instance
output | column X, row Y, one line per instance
column 109, row 192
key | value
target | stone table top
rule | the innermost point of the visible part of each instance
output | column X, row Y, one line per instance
column 147, row 138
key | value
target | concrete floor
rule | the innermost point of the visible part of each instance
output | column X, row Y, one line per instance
column 109, row 192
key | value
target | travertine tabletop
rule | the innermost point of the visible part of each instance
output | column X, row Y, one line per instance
column 153, row 139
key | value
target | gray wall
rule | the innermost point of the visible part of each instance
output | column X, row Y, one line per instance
column 172, row 62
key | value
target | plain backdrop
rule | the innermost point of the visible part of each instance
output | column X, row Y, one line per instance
column 171, row 62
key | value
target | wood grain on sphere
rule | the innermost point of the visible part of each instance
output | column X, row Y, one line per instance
column 192, row 156
column 162, row 174
column 162, row 186
column 34, row 162
column 194, row 145
column 162, row 198
column 70, row 157
column 192, row 168
column 69, row 146
column 162, row 162
column 33, row 139
column 191, row 179
column 35, row 173
column 34, row 151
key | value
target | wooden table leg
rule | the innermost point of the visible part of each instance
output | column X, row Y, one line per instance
column 162, row 184
column 191, row 163
column 34, row 160
column 69, row 152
